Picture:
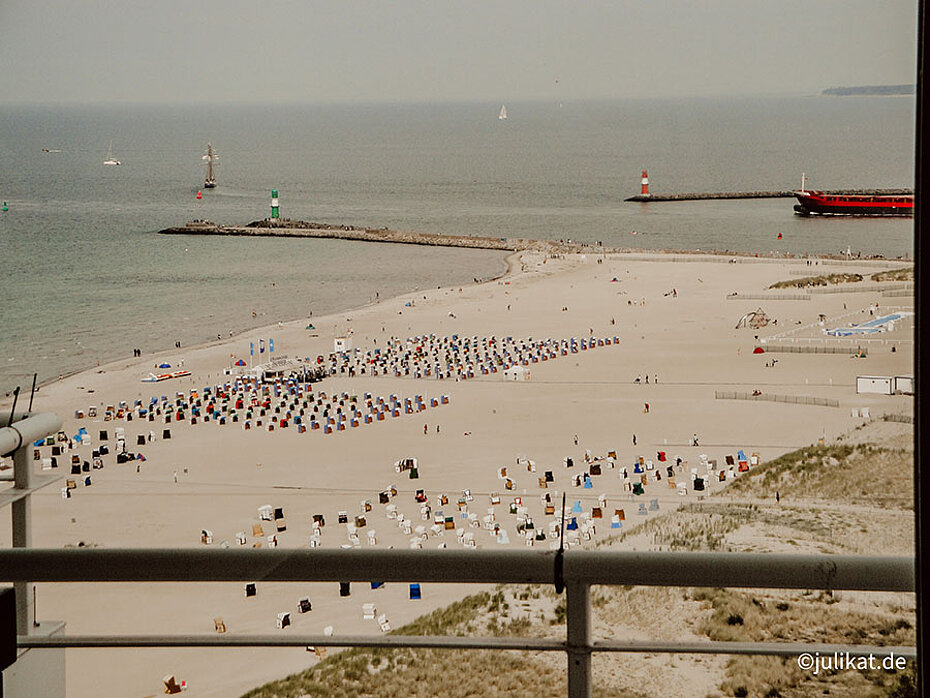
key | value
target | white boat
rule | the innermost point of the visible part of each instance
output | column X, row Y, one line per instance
column 503, row 114
column 110, row 159
column 159, row 377
column 209, row 181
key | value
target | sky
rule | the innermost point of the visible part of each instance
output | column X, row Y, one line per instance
column 372, row 51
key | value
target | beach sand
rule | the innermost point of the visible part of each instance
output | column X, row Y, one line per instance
column 686, row 339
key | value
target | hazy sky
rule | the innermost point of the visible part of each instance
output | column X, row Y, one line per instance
column 406, row 50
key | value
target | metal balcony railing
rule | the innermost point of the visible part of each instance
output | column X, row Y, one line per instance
column 576, row 570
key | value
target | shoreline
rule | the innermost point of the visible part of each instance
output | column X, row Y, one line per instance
column 287, row 228
column 512, row 267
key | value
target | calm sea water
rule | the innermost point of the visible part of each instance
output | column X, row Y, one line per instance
column 86, row 278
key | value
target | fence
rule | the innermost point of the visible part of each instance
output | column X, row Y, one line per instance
column 770, row 297
column 576, row 570
column 809, row 349
column 793, row 399
column 902, row 418
column 863, row 288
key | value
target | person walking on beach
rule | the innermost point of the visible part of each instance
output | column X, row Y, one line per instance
column 645, row 408
column 634, row 439
column 425, row 429
column 777, row 497
column 694, row 440
column 576, row 439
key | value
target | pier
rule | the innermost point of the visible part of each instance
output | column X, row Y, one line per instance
column 283, row 227
column 760, row 195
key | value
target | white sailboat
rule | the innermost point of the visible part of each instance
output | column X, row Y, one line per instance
column 110, row 159
column 209, row 181
column 503, row 114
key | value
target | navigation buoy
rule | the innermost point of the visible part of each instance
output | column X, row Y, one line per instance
column 199, row 195
column 645, row 190
column 5, row 207
column 779, row 236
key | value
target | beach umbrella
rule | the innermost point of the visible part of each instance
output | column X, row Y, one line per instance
column 164, row 365
column 240, row 362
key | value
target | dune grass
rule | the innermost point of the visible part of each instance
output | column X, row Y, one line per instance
column 822, row 280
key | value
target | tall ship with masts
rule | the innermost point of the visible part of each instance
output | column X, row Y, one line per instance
column 209, row 181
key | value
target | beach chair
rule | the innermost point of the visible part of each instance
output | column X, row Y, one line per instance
column 250, row 589
column 282, row 620
column 219, row 625
column 345, row 589
column 383, row 623
column 368, row 611
column 304, row 605
column 171, row 684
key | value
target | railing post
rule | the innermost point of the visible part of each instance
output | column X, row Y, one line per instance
column 578, row 621
column 21, row 511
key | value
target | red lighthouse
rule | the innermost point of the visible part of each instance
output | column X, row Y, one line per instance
column 645, row 191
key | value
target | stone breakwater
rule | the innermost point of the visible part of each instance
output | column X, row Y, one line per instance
column 760, row 195
column 303, row 229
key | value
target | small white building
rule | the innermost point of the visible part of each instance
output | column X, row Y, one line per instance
column 904, row 385
column 880, row 385
column 342, row 344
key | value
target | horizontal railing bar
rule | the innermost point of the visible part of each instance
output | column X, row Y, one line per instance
column 781, row 649
column 229, row 640
column 784, row 649
column 750, row 570
column 686, row 569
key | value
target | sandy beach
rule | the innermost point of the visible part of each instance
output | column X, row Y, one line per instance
column 676, row 319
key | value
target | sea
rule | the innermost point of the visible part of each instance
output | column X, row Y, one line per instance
column 86, row 278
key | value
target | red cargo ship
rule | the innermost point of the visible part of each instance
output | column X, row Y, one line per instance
column 852, row 204
column 818, row 203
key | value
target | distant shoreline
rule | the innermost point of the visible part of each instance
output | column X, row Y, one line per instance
column 871, row 90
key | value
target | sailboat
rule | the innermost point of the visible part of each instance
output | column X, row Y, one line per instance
column 209, row 181
column 503, row 114
column 110, row 159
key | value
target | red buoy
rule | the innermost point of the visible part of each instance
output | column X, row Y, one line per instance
column 779, row 236
column 199, row 195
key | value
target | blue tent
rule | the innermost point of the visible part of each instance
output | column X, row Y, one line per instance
column 164, row 365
